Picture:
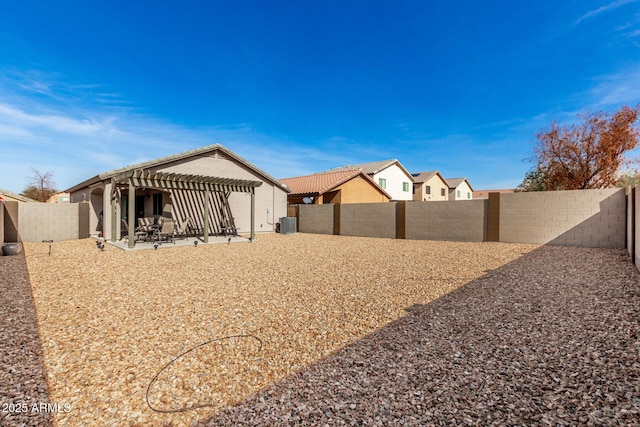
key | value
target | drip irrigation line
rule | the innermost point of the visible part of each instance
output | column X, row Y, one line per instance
column 206, row 405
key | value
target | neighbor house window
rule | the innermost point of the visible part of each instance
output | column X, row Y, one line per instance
column 468, row 195
column 427, row 189
column 442, row 192
column 458, row 194
column 382, row 182
column 405, row 186
column 157, row 204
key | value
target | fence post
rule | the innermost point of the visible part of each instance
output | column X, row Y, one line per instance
column 336, row 219
column 401, row 224
column 493, row 218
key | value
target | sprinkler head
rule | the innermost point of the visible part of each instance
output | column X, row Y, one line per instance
column 195, row 243
column 155, row 246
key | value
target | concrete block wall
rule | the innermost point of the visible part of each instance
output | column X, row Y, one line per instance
column 636, row 221
column 368, row 220
column 316, row 219
column 53, row 221
column 589, row 218
column 11, row 222
column 447, row 220
column 1, row 223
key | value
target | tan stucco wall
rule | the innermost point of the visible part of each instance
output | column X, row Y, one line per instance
column 360, row 190
column 588, row 218
column 437, row 185
column 447, row 220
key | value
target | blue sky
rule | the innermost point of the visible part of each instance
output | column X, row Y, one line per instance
column 298, row 87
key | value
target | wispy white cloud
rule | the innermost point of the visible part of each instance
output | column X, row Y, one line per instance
column 66, row 128
column 616, row 89
column 595, row 12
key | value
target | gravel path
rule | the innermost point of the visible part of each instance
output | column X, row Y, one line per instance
column 23, row 381
column 550, row 339
column 338, row 330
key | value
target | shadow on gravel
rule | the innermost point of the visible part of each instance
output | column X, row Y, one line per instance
column 553, row 338
column 24, row 392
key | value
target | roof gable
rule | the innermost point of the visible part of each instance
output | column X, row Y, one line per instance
column 421, row 177
column 177, row 157
column 455, row 182
column 320, row 183
column 373, row 168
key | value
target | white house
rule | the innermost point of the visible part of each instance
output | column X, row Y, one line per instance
column 390, row 175
column 430, row 186
column 459, row 189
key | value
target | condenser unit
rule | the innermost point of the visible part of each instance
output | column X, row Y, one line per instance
column 288, row 225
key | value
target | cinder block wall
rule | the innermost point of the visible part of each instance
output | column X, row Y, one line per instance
column 52, row 221
column 1, row 223
column 636, row 237
column 11, row 222
column 368, row 220
column 447, row 220
column 316, row 219
column 588, row 218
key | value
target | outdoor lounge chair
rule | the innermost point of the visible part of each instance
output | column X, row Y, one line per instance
column 166, row 232
column 183, row 228
column 139, row 234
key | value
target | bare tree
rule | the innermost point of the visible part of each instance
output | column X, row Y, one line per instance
column 588, row 155
column 41, row 186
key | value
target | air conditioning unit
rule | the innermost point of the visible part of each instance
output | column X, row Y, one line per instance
column 288, row 225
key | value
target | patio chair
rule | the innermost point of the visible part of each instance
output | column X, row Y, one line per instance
column 166, row 232
column 138, row 233
column 183, row 228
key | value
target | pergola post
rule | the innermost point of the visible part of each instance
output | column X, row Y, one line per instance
column 253, row 216
column 206, row 215
column 114, row 211
column 132, row 214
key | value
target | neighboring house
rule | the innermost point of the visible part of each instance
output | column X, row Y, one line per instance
column 430, row 186
column 390, row 175
column 459, row 189
column 8, row 196
column 242, row 197
column 484, row 194
column 344, row 186
column 59, row 197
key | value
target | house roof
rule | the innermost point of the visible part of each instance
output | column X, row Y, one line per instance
column 10, row 195
column 484, row 194
column 320, row 183
column 372, row 168
column 455, row 182
column 172, row 158
column 421, row 177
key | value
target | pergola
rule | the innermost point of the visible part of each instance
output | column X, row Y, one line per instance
column 165, row 181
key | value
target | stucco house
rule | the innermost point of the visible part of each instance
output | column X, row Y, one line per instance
column 8, row 196
column 430, row 186
column 390, row 175
column 459, row 189
column 344, row 186
column 216, row 188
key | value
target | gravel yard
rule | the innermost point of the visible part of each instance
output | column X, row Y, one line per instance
column 312, row 329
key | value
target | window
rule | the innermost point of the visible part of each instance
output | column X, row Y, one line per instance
column 157, row 204
column 405, row 186
column 382, row 183
column 468, row 195
column 458, row 194
column 427, row 189
column 442, row 192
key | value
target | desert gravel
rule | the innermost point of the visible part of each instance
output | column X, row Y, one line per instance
column 23, row 382
column 330, row 330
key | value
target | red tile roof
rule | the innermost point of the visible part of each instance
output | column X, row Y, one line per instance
column 320, row 183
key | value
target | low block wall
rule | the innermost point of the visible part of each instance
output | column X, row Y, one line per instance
column 464, row 221
column 316, row 219
column 53, row 221
column 588, row 218
column 1, row 223
column 368, row 220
